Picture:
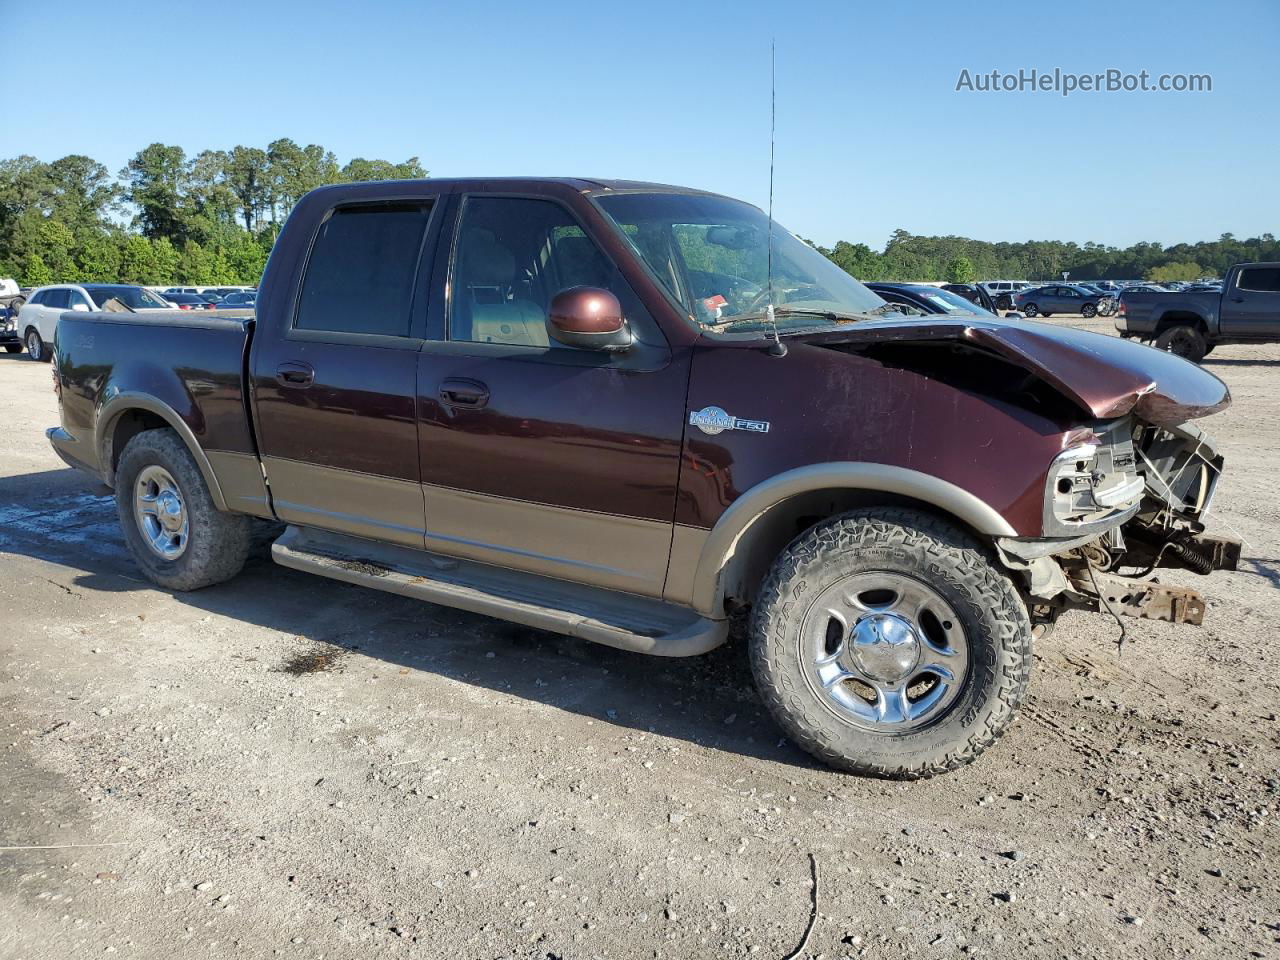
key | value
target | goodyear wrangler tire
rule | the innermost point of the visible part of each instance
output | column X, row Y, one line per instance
column 887, row 643
column 177, row 536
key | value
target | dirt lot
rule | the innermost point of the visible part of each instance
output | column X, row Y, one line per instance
column 288, row 766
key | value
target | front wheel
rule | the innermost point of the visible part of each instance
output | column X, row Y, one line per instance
column 887, row 643
column 178, row 538
column 1088, row 311
column 1030, row 310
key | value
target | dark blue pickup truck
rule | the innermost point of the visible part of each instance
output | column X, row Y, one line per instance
column 1247, row 310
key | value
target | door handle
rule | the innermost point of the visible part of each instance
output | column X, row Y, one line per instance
column 471, row 394
column 295, row 374
column 1237, row 299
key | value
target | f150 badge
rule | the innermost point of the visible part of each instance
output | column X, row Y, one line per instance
column 713, row 420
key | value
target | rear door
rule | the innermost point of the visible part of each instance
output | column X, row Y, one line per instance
column 335, row 390
column 51, row 307
column 536, row 456
column 1251, row 305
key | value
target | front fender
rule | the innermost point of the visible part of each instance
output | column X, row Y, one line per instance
column 727, row 546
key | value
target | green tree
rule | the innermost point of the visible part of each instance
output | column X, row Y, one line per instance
column 960, row 270
column 246, row 174
column 35, row 272
column 98, row 257
column 1175, row 270
column 138, row 261
column 360, row 169
column 155, row 183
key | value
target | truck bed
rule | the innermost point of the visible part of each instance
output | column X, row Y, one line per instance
column 193, row 364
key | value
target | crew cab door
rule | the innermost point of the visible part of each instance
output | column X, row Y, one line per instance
column 1251, row 304
column 537, row 456
column 334, row 382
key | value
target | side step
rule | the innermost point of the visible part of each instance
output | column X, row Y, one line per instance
column 615, row 619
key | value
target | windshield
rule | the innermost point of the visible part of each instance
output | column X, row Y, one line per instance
column 952, row 302
column 132, row 297
column 712, row 255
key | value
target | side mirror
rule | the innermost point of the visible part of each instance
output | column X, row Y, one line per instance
column 590, row 318
column 80, row 306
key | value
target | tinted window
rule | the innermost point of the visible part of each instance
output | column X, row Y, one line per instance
column 360, row 275
column 37, row 298
column 512, row 256
column 1265, row 279
column 56, row 299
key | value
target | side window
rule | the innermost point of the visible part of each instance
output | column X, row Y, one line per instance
column 74, row 297
column 361, row 272
column 511, row 257
column 56, row 299
column 1260, row 279
column 37, row 299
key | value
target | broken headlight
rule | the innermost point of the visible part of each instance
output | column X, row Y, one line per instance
column 1093, row 484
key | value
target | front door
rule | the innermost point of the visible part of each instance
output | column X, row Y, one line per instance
column 537, row 456
column 1251, row 306
column 335, row 391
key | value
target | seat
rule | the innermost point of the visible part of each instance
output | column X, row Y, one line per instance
column 487, row 310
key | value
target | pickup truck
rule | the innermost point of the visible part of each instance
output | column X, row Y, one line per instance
column 1247, row 310
column 632, row 413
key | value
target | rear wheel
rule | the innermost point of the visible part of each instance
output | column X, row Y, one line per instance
column 886, row 642
column 1183, row 341
column 1030, row 310
column 1088, row 311
column 177, row 536
column 37, row 349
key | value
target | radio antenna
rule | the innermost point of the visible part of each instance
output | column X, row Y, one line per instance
column 777, row 348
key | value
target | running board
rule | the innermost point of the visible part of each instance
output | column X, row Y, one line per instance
column 621, row 620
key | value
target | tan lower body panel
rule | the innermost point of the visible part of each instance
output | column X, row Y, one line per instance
column 686, row 551
column 362, row 504
column 600, row 549
column 240, row 479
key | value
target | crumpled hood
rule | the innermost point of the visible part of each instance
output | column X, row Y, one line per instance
column 1106, row 376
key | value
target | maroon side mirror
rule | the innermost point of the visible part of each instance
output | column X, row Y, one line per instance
column 588, row 317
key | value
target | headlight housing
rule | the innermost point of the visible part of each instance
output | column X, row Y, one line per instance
column 1093, row 484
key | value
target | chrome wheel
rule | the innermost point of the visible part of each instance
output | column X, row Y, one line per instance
column 160, row 512
column 33, row 345
column 884, row 651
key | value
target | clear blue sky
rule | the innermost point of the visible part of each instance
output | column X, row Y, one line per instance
column 871, row 132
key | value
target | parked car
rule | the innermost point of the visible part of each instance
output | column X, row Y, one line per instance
column 38, row 318
column 1054, row 298
column 188, row 301
column 923, row 299
column 240, row 298
column 1190, row 324
column 10, row 338
column 1001, row 291
column 483, row 393
column 1143, row 288
column 11, row 295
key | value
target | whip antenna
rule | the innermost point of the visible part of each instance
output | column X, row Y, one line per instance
column 778, row 348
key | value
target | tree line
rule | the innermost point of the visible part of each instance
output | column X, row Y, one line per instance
column 206, row 219
column 961, row 260
column 212, row 218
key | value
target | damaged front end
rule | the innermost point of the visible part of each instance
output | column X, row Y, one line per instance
column 1122, row 501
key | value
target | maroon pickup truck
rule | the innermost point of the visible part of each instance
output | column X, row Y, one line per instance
column 630, row 413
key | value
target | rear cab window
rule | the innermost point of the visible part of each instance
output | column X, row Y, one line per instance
column 1259, row 279
column 361, row 275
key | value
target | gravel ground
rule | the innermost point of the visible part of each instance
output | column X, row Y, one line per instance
column 287, row 766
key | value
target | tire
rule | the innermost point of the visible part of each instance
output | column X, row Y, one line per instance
column 907, row 550
column 210, row 547
column 1183, row 341
column 1030, row 310
column 1088, row 311
column 13, row 348
column 37, row 349
column 1003, row 302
